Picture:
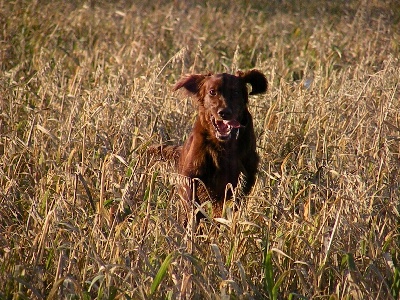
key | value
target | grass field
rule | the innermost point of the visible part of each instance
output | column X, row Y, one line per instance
column 86, row 87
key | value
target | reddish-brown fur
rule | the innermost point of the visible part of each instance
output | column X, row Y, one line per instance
column 222, row 144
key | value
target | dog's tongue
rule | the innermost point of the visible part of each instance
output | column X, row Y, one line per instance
column 225, row 126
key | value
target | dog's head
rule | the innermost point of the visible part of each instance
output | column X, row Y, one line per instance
column 223, row 99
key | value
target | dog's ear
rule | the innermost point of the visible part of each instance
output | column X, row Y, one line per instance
column 259, row 83
column 191, row 83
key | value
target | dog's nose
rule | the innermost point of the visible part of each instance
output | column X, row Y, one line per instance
column 225, row 113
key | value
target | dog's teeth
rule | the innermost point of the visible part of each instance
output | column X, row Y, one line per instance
column 232, row 123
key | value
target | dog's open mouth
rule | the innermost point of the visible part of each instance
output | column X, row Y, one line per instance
column 224, row 128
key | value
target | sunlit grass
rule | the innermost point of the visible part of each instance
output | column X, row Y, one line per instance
column 87, row 214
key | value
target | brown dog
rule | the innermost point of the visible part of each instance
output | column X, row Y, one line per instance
column 222, row 145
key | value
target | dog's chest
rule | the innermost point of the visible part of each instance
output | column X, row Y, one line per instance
column 223, row 168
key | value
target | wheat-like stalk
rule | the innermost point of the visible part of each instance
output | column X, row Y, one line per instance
column 86, row 214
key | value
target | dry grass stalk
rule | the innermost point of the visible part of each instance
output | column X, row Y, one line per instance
column 84, row 89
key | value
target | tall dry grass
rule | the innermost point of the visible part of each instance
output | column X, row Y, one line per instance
column 86, row 87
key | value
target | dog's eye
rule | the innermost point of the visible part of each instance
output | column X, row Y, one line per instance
column 212, row 92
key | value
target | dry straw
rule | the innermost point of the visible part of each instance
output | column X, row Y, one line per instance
column 86, row 214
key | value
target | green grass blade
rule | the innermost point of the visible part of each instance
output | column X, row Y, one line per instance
column 268, row 274
column 162, row 272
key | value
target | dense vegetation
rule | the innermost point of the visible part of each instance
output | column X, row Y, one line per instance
column 85, row 213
